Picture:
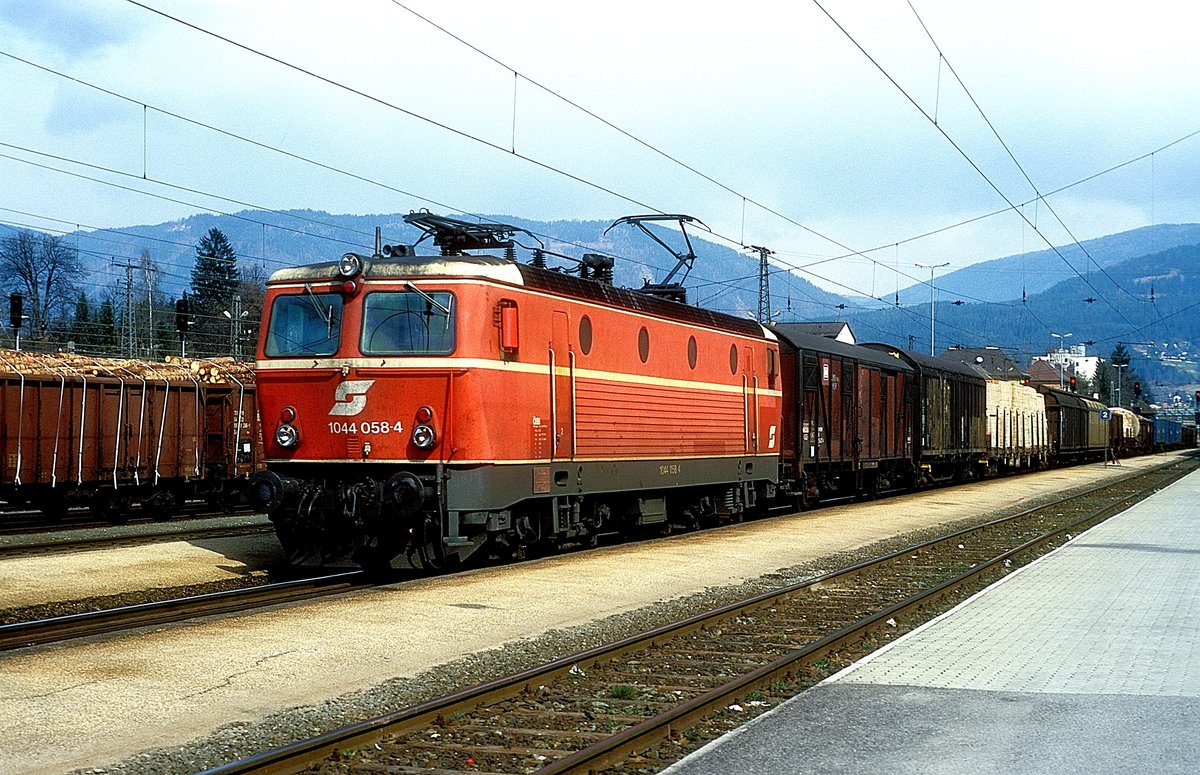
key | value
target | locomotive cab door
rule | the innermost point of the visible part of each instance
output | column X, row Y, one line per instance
column 562, row 388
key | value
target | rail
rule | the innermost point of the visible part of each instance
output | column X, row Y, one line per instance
column 91, row 623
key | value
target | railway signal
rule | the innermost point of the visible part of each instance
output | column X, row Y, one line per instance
column 182, row 315
column 183, row 321
column 16, row 316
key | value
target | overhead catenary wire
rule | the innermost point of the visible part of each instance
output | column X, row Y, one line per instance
column 966, row 156
column 853, row 290
column 996, row 133
column 487, row 143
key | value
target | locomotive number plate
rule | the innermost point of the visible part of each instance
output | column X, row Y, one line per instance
column 340, row 427
column 670, row 469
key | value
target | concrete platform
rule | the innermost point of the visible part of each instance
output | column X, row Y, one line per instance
column 1087, row 660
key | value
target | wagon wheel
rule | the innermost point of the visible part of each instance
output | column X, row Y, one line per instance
column 109, row 506
column 871, row 490
column 53, row 505
column 164, row 502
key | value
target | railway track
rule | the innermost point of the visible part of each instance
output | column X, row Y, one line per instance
column 90, row 623
column 638, row 704
column 74, row 538
column 20, row 520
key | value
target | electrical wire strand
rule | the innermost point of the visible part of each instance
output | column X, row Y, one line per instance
column 451, row 129
column 966, row 156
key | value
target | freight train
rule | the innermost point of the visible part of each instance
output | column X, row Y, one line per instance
column 431, row 408
column 113, row 433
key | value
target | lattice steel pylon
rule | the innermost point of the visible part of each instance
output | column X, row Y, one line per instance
column 764, row 283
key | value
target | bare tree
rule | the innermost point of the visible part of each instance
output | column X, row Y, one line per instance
column 46, row 270
column 252, row 288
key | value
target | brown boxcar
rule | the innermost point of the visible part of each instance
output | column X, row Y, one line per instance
column 1076, row 429
column 846, row 418
column 113, row 432
column 949, row 410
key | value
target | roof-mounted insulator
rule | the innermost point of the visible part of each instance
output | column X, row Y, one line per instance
column 597, row 267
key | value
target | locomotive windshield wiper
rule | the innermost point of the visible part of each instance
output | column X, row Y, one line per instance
column 326, row 313
column 429, row 299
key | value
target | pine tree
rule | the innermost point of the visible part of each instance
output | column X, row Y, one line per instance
column 1104, row 382
column 1126, row 377
column 106, row 329
column 215, row 280
column 81, row 329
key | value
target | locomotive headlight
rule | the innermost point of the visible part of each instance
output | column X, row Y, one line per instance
column 424, row 436
column 287, row 436
column 350, row 265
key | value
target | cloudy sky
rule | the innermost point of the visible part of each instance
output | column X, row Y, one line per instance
column 819, row 130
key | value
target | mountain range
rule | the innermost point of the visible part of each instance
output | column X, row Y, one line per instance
column 1041, row 270
column 1138, row 287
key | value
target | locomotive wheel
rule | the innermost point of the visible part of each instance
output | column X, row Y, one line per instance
column 429, row 545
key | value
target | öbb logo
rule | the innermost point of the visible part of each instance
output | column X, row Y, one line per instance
column 350, row 398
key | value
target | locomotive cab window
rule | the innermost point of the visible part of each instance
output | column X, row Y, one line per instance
column 304, row 324
column 410, row 322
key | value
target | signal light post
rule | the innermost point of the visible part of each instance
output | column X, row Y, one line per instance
column 183, row 319
column 16, row 316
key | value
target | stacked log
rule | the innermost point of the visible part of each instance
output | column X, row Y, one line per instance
column 213, row 371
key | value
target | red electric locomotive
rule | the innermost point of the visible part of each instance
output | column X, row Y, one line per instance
column 430, row 407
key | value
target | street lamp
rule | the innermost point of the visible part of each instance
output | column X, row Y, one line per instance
column 235, row 322
column 932, row 292
column 1062, row 358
